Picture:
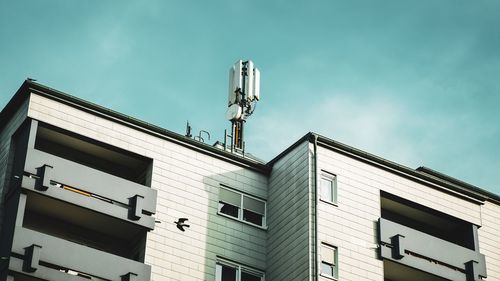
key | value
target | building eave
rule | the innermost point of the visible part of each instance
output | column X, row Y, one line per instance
column 424, row 175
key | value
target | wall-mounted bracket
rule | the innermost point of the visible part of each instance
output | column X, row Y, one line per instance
column 472, row 271
column 46, row 177
column 31, row 258
column 398, row 246
column 136, row 204
column 129, row 277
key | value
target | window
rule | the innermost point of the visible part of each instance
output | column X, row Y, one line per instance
column 328, row 188
column 242, row 207
column 329, row 261
column 228, row 271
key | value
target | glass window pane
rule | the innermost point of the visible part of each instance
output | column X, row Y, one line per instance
column 326, row 189
column 327, row 269
column 228, row 209
column 327, row 254
column 254, row 205
column 228, row 273
column 252, row 217
column 249, row 277
column 230, row 197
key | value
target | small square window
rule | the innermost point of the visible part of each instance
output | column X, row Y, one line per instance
column 328, row 188
column 230, row 271
column 329, row 261
column 242, row 207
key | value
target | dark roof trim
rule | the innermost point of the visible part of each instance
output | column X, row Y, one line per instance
column 451, row 185
column 423, row 175
column 452, row 180
column 12, row 105
column 307, row 137
column 29, row 86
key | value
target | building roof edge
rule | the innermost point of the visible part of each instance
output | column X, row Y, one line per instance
column 432, row 177
column 421, row 173
column 30, row 86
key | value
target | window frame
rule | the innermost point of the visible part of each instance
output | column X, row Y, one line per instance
column 241, row 208
column 333, row 178
column 335, row 265
column 239, row 269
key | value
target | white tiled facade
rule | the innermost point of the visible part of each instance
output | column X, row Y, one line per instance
column 352, row 224
column 289, row 245
column 188, row 185
column 188, row 180
column 489, row 238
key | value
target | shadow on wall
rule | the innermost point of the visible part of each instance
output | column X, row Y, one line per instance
column 217, row 236
column 235, row 229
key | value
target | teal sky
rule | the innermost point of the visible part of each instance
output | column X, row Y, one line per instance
column 416, row 82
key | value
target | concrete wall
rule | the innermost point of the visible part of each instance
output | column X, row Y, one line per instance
column 188, row 185
column 289, row 246
column 5, row 151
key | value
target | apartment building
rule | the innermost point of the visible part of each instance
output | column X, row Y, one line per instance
column 92, row 194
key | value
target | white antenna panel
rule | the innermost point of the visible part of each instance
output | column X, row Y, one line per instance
column 231, row 98
column 238, row 76
column 256, row 84
column 249, row 82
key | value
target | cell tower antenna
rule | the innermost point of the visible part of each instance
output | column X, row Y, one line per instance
column 244, row 92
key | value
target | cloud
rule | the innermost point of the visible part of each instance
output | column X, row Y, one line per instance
column 379, row 123
column 365, row 122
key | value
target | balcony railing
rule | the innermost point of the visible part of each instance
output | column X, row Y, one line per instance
column 50, row 258
column 81, row 185
column 425, row 252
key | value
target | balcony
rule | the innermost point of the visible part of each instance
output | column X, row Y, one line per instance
column 420, row 243
column 47, row 257
column 89, row 174
column 430, row 254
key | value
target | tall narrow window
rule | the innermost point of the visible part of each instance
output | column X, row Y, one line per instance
column 328, row 188
column 329, row 261
column 229, row 271
column 242, row 206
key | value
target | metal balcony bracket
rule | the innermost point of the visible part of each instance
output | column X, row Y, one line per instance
column 472, row 270
column 46, row 177
column 129, row 277
column 31, row 258
column 136, row 204
column 398, row 246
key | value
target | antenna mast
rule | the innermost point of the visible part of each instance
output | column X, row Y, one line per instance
column 244, row 92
